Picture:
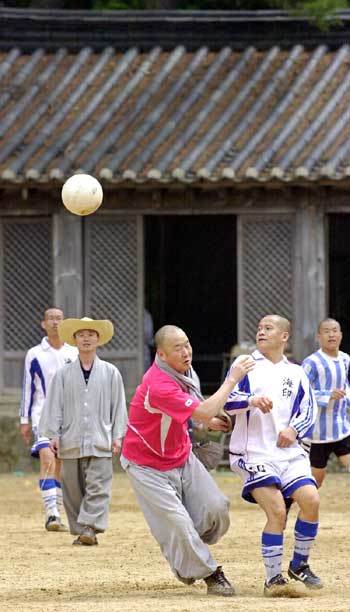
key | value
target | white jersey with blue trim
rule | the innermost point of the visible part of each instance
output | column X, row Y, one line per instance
column 255, row 433
column 41, row 363
column 325, row 374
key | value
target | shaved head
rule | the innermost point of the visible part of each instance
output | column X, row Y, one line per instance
column 174, row 348
column 282, row 323
column 166, row 333
column 326, row 321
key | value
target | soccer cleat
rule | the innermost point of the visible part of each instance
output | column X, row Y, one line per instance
column 305, row 575
column 53, row 523
column 279, row 586
column 88, row 536
column 217, row 584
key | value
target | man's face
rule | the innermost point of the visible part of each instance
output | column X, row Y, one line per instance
column 53, row 316
column 177, row 351
column 329, row 336
column 87, row 340
column 270, row 336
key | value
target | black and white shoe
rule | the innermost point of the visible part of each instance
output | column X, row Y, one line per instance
column 276, row 586
column 279, row 586
column 54, row 523
column 305, row 575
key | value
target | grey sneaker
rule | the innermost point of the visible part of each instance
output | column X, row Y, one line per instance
column 78, row 542
column 305, row 575
column 217, row 584
column 88, row 536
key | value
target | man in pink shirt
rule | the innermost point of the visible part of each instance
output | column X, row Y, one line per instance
column 181, row 503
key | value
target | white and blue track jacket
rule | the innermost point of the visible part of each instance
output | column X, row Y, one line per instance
column 325, row 374
column 255, row 434
column 41, row 363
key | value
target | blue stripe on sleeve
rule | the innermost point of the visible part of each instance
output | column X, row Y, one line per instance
column 305, row 425
column 244, row 384
column 35, row 369
column 328, row 373
column 337, row 403
column 297, row 401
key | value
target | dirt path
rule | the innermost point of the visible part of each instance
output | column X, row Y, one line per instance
column 43, row 572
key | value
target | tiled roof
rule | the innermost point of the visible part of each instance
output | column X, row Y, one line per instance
column 256, row 115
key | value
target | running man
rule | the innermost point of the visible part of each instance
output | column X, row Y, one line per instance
column 274, row 407
column 181, row 503
column 41, row 363
column 328, row 372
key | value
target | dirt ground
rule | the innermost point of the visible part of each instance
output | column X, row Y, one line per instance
column 43, row 572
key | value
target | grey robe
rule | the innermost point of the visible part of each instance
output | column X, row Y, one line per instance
column 86, row 418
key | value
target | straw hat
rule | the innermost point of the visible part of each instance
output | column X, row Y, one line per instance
column 68, row 327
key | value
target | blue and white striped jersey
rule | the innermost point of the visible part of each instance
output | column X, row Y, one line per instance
column 255, row 434
column 326, row 373
column 41, row 363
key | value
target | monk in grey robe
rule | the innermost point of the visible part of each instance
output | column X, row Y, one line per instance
column 85, row 418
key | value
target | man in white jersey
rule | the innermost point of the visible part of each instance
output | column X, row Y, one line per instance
column 274, row 407
column 41, row 363
column 328, row 371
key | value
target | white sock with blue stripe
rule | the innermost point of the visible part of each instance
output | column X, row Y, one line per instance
column 305, row 534
column 48, row 493
column 59, row 496
column 272, row 551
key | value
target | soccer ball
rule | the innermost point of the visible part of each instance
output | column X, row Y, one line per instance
column 82, row 194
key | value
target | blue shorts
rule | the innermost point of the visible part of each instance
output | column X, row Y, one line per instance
column 287, row 476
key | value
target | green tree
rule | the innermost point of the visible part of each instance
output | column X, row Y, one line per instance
column 315, row 8
column 321, row 11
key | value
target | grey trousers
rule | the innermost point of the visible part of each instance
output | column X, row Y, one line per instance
column 86, row 488
column 185, row 511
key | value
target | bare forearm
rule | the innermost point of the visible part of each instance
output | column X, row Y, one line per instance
column 214, row 404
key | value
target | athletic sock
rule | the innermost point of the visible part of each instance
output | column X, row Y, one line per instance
column 48, row 493
column 272, row 551
column 59, row 497
column 304, row 534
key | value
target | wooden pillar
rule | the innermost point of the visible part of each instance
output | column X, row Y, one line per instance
column 2, row 347
column 140, row 296
column 68, row 263
column 310, row 286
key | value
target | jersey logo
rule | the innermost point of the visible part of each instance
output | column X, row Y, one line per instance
column 165, row 421
column 188, row 403
column 287, row 387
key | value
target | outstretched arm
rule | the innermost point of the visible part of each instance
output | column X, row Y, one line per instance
column 214, row 404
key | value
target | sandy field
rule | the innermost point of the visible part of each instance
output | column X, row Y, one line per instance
column 42, row 571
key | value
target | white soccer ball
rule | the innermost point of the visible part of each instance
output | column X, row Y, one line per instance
column 82, row 194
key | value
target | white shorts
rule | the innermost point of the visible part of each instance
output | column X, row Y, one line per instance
column 285, row 475
column 39, row 443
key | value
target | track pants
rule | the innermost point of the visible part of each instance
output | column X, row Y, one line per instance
column 86, row 488
column 185, row 511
